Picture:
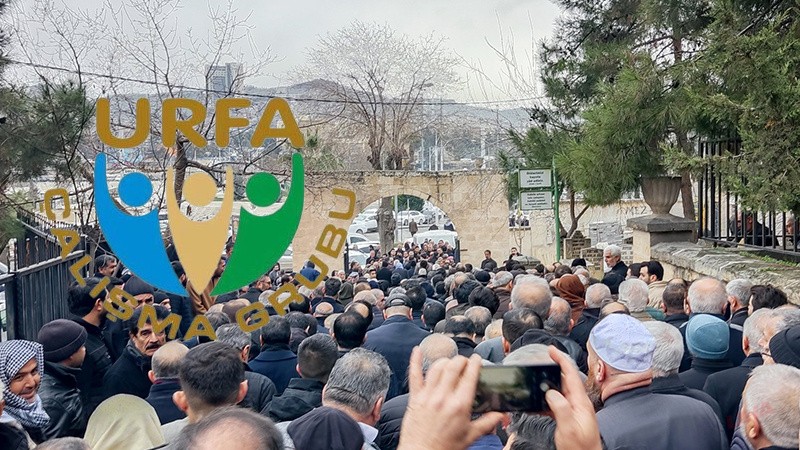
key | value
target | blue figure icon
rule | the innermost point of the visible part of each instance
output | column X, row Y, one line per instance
column 135, row 240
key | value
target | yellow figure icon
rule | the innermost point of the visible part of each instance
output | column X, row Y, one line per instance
column 199, row 243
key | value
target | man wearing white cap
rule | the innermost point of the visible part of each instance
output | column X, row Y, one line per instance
column 620, row 358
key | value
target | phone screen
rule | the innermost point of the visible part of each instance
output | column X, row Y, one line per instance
column 515, row 388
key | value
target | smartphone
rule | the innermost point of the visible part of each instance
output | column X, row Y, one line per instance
column 515, row 388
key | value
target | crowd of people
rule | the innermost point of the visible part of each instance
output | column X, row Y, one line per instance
column 388, row 356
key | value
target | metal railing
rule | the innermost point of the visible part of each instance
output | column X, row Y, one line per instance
column 723, row 221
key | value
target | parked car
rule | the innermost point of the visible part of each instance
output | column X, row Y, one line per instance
column 286, row 261
column 363, row 226
column 404, row 217
column 355, row 255
column 361, row 242
column 436, row 235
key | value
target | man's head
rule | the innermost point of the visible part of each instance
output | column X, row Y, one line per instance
column 332, row 287
column 64, row 443
column 234, row 336
column 766, row 296
column 485, row 297
column 738, row 293
column 784, row 347
column 503, row 280
column 487, row 254
column 167, row 361
column 597, row 295
column 217, row 318
column 673, row 298
column 707, row 337
column 620, row 354
column 612, row 255
column 516, row 322
column 481, row 317
column 350, row 330
column 559, row 322
column 105, row 265
column 770, row 414
column 460, row 326
column 316, row 356
column 464, row 290
column 707, row 296
column 397, row 305
column 633, row 294
column 276, row 332
column 436, row 347
column 416, row 296
column 669, row 348
column 232, row 427
column 613, row 308
column 144, row 337
column 528, row 355
column 432, row 313
column 21, row 368
column 651, row 271
column 83, row 304
column 211, row 376
column 532, row 292
column 63, row 342
column 528, row 431
column 358, row 385
column 754, row 331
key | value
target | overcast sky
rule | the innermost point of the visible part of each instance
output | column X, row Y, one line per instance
column 289, row 28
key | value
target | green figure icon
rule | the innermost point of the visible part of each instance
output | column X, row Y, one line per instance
column 262, row 240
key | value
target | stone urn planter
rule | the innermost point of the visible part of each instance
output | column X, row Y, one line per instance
column 660, row 193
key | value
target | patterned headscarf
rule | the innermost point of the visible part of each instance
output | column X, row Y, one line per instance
column 14, row 355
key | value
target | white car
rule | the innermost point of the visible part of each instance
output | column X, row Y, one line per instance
column 355, row 255
column 363, row 226
column 405, row 217
column 436, row 236
column 361, row 243
column 287, row 261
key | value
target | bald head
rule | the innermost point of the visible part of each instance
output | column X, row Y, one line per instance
column 323, row 309
column 708, row 296
column 534, row 293
column 167, row 359
column 436, row 347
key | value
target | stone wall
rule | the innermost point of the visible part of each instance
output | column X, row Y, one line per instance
column 692, row 261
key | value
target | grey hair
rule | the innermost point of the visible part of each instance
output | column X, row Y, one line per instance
column 597, row 294
column 234, row 336
column 755, row 328
column 448, row 283
column 707, row 295
column 65, row 443
column 436, row 347
column 613, row 250
column 319, row 291
column 532, row 292
column 669, row 348
column 528, row 355
column 367, row 296
column 772, row 395
column 557, row 321
column 358, row 380
column 787, row 317
column 480, row 316
column 740, row 290
column 502, row 278
column 166, row 361
column 633, row 294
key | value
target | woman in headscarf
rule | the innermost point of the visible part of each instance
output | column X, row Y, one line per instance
column 21, row 368
column 124, row 421
column 571, row 289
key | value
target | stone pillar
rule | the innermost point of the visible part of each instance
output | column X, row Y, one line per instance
column 656, row 229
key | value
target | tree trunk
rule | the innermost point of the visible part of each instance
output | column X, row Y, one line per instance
column 181, row 162
column 386, row 224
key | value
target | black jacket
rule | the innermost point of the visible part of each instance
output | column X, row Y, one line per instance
column 677, row 320
column 129, row 374
column 160, row 399
column 673, row 385
column 695, row 378
column 388, row 425
column 615, row 277
column 260, row 391
column 12, row 437
column 300, row 397
column 503, row 302
column 739, row 317
column 62, row 401
column 726, row 388
column 587, row 321
column 94, row 368
column 116, row 337
column 395, row 340
column 466, row 346
column 182, row 306
column 277, row 363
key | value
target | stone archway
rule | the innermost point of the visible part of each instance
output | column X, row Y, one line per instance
column 475, row 201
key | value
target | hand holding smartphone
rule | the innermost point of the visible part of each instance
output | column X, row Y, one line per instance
column 516, row 388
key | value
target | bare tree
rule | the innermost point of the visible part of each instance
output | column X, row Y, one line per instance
column 383, row 78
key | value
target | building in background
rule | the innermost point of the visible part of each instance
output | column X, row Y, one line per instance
column 227, row 78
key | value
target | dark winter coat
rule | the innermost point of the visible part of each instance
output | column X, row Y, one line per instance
column 587, row 321
column 94, row 368
column 503, row 302
column 615, row 277
column 260, row 392
column 300, row 397
column 388, row 426
column 12, row 437
column 726, row 388
column 394, row 340
column 673, row 385
column 695, row 378
column 466, row 346
column 160, row 398
column 182, row 306
column 62, row 401
column 277, row 363
column 129, row 374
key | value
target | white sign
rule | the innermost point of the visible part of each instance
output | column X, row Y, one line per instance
column 535, row 200
column 539, row 178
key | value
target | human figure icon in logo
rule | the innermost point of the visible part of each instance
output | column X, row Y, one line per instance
column 198, row 243
column 135, row 240
column 261, row 240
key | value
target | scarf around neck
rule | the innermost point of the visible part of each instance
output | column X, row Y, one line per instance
column 14, row 355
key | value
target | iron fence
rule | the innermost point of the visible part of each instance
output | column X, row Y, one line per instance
column 724, row 222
